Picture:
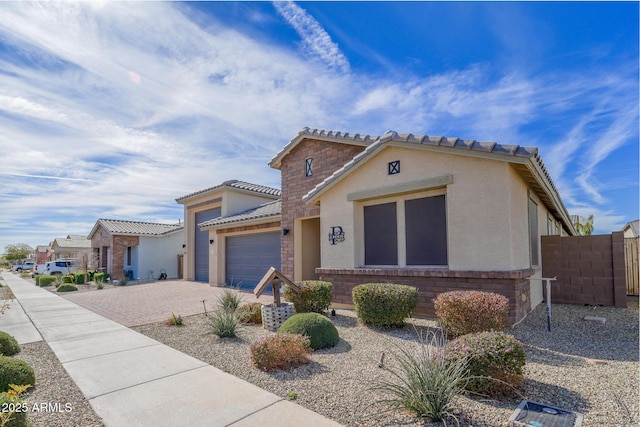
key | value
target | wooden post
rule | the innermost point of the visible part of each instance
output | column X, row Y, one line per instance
column 276, row 292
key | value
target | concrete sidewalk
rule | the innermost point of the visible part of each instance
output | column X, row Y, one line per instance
column 130, row 379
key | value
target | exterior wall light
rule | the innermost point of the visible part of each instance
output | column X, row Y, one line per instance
column 211, row 242
column 285, row 231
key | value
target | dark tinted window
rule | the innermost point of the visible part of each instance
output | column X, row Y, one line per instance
column 426, row 231
column 380, row 235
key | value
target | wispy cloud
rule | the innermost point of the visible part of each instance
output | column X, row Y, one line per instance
column 316, row 41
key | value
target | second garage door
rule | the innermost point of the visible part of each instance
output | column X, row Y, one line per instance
column 249, row 256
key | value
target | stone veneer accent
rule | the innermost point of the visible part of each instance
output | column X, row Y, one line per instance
column 432, row 281
column 327, row 158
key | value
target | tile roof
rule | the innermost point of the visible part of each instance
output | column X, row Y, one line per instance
column 73, row 241
column 238, row 185
column 325, row 135
column 268, row 210
column 118, row 226
column 535, row 172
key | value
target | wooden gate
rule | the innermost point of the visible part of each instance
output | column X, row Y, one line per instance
column 631, row 264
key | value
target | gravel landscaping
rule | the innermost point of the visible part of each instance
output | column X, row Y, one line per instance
column 581, row 365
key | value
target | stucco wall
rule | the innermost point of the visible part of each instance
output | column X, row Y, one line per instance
column 481, row 223
column 159, row 253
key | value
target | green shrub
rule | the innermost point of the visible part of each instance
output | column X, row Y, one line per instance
column 68, row 278
column 321, row 331
column 224, row 323
column 101, row 277
column 67, row 287
column 490, row 355
column 8, row 344
column 250, row 312
column 46, row 280
column 15, row 371
column 229, row 300
column 280, row 351
column 314, row 296
column 384, row 304
column 174, row 320
column 37, row 280
column 78, row 277
column 424, row 382
column 468, row 312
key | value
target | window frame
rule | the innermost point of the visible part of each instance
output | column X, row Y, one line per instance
column 400, row 200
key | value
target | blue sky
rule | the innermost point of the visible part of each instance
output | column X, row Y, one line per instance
column 114, row 109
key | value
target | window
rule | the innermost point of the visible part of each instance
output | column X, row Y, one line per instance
column 128, row 261
column 420, row 240
column 380, row 234
column 533, row 233
column 426, row 231
column 308, row 169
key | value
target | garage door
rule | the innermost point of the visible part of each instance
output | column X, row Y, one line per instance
column 202, row 245
column 248, row 257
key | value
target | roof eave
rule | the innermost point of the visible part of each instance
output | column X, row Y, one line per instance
column 242, row 223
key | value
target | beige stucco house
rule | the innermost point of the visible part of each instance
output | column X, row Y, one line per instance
column 137, row 250
column 232, row 233
column 437, row 213
column 72, row 246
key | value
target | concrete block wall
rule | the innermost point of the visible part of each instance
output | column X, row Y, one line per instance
column 590, row 270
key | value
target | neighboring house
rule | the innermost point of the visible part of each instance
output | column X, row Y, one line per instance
column 632, row 229
column 43, row 254
column 232, row 233
column 437, row 213
column 72, row 246
column 138, row 250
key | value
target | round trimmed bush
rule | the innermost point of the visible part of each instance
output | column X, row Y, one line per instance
column 490, row 354
column 46, row 280
column 8, row 344
column 15, row 371
column 321, row 331
column 68, row 278
column 468, row 312
column 315, row 296
column 67, row 287
column 384, row 304
column 250, row 312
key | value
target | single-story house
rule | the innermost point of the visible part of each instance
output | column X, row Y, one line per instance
column 42, row 254
column 232, row 233
column 137, row 250
column 72, row 246
column 437, row 213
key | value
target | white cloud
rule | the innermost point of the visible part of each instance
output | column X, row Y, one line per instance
column 315, row 39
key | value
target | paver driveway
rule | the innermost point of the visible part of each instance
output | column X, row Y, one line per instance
column 134, row 305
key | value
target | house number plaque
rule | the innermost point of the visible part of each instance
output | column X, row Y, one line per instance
column 336, row 235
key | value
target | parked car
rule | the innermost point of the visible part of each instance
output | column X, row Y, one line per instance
column 61, row 266
column 39, row 268
column 20, row 266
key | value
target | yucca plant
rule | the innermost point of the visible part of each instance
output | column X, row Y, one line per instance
column 424, row 382
column 224, row 323
column 229, row 300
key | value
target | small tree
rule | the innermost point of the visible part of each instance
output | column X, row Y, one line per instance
column 17, row 252
column 584, row 227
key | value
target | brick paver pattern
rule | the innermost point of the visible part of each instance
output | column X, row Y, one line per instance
column 135, row 305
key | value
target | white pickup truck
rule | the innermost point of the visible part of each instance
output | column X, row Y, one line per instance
column 20, row 266
column 61, row 266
